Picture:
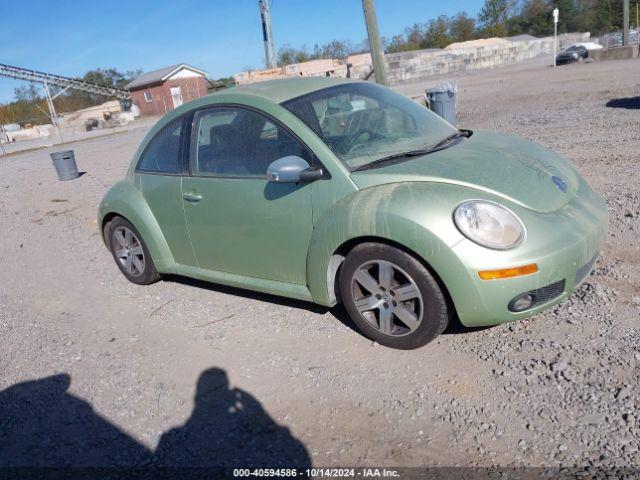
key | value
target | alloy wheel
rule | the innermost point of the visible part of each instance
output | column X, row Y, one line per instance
column 387, row 298
column 128, row 251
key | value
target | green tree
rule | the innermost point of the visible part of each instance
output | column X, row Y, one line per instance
column 493, row 17
column 396, row 44
column 29, row 107
column 333, row 49
column 595, row 16
column 436, row 34
column 608, row 16
column 414, row 36
column 302, row 55
column 337, row 49
column 567, row 18
column 585, row 16
column 286, row 55
column 462, row 27
column 27, row 93
column 108, row 77
column 534, row 18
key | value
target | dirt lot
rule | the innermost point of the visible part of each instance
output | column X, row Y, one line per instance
column 184, row 372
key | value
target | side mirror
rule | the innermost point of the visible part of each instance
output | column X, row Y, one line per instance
column 292, row 169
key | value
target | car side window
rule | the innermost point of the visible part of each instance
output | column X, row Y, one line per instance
column 162, row 154
column 238, row 142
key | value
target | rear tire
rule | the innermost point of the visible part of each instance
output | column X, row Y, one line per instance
column 130, row 253
column 392, row 297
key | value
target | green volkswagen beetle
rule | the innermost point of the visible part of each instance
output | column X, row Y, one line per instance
column 335, row 191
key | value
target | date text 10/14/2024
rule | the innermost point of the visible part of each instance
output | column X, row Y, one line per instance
column 317, row 472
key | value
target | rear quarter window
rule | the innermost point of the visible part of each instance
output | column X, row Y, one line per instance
column 163, row 153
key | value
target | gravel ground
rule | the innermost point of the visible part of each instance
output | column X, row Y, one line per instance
column 74, row 135
column 97, row 371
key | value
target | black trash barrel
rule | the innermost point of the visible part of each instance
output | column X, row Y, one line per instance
column 65, row 163
column 442, row 101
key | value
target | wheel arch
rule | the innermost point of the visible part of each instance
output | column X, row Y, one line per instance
column 126, row 201
column 104, row 228
column 412, row 216
column 337, row 259
column 326, row 255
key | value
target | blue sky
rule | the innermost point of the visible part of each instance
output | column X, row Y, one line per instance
column 220, row 36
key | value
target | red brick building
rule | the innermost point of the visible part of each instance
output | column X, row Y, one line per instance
column 157, row 92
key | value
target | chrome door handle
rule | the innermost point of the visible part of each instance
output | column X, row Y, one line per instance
column 192, row 197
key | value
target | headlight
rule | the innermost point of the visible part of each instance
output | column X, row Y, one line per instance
column 489, row 224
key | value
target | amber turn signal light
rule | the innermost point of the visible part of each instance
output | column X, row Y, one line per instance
column 508, row 272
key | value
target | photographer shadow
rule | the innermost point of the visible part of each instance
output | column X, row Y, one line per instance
column 229, row 428
column 43, row 426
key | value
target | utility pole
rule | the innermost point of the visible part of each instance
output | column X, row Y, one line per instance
column 375, row 45
column 625, row 22
column 556, row 13
column 267, row 35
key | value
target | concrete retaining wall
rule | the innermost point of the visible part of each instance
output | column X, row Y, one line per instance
column 419, row 64
column 615, row 53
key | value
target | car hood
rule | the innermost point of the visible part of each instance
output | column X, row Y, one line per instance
column 504, row 165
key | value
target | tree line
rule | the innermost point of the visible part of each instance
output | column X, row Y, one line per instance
column 288, row 55
column 497, row 18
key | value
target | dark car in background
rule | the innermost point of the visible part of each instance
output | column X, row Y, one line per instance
column 575, row 53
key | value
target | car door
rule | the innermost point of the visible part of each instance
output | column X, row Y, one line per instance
column 159, row 176
column 238, row 221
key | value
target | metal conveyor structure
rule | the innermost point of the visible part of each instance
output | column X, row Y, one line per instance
column 18, row 73
column 65, row 83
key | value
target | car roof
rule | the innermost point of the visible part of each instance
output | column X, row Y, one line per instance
column 279, row 91
column 588, row 45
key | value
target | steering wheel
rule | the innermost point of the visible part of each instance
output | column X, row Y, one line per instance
column 353, row 144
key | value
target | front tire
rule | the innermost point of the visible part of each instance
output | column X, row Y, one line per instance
column 130, row 253
column 392, row 297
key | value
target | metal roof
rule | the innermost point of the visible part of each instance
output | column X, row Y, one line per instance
column 160, row 75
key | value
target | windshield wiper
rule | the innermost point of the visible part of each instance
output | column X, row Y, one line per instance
column 447, row 141
column 440, row 145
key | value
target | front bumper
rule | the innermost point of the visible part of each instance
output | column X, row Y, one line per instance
column 563, row 244
column 565, row 60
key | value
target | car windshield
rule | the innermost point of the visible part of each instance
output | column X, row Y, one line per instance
column 364, row 122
